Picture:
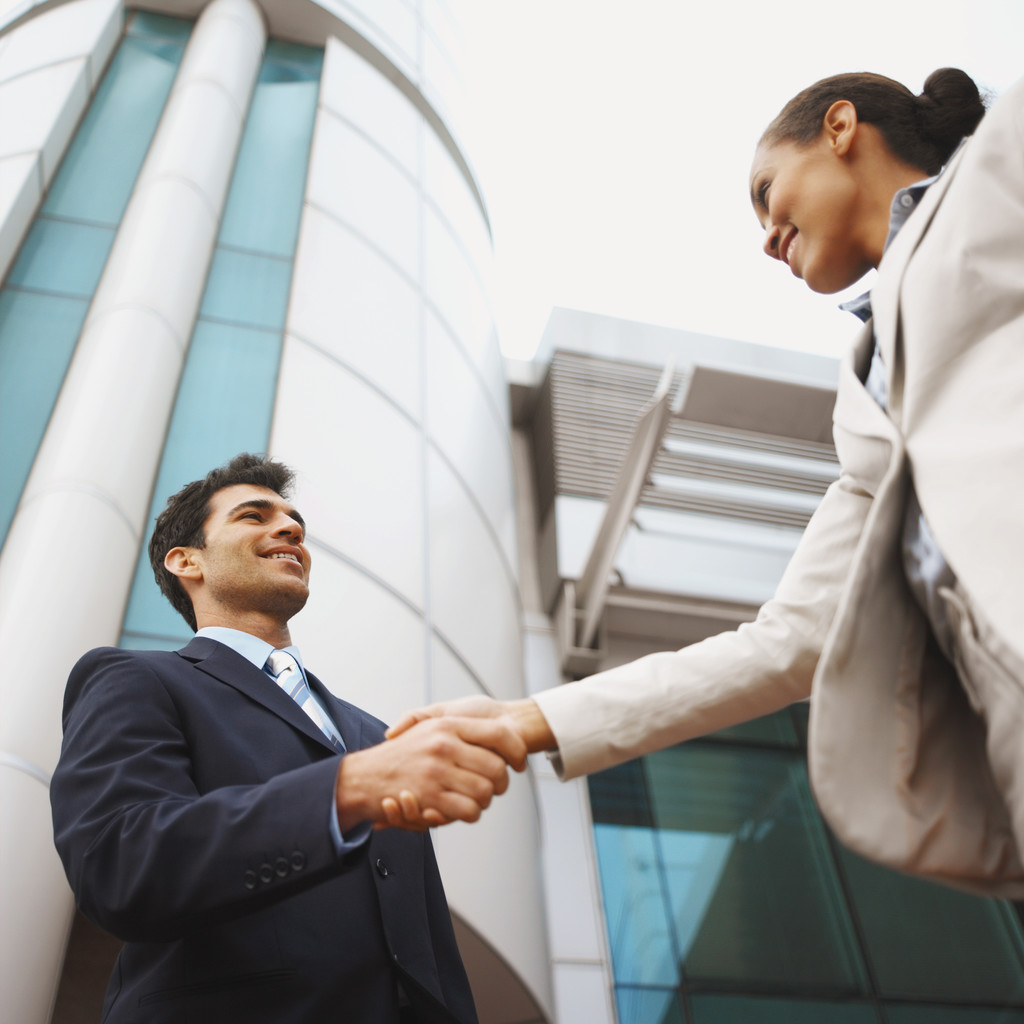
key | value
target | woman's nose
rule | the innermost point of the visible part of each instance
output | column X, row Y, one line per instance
column 771, row 241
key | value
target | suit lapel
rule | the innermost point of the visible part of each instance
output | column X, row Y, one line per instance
column 229, row 667
column 885, row 293
column 349, row 724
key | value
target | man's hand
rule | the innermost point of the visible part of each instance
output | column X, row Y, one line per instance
column 453, row 765
column 522, row 719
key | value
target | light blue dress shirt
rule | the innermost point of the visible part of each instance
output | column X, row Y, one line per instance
column 924, row 564
column 256, row 651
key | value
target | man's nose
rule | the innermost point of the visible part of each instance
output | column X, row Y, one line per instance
column 772, row 236
column 286, row 526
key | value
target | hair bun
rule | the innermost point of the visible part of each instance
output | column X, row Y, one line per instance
column 950, row 106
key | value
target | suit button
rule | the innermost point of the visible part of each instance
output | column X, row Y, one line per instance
column 382, row 868
column 281, row 867
column 298, row 860
column 249, row 879
column 266, row 874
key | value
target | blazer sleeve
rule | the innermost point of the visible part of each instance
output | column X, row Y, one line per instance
column 669, row 697
column 148, row 856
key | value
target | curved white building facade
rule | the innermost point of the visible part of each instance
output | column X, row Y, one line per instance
column 250, row 226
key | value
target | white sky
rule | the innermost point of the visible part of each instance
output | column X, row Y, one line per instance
column 612, row 142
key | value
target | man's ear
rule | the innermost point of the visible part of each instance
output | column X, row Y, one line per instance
column 182, row 563
column 840, row 126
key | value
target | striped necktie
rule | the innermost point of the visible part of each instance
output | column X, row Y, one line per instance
column 289, row 677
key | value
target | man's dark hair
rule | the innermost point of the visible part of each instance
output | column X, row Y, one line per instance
column 181, row 522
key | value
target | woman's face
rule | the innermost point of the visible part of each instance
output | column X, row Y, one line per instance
column 810, row 206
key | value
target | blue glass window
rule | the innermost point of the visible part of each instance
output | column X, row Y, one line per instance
column 226, row 395
column 727, row 900
column 48, row 289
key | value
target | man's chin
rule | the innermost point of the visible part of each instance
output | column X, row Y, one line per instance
column 292, row 600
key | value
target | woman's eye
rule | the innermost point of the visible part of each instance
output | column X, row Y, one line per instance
column 762, row 193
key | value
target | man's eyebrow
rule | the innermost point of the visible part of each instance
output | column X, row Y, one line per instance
column 266, row 505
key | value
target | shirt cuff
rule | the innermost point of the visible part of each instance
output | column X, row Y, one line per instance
column 357, row 837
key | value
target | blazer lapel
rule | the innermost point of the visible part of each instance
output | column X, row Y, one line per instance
column 349, row 724
column 229, row 667
column 885, row 293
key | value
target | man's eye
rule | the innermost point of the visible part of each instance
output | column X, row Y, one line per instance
column 762, row 193
column 251, row 515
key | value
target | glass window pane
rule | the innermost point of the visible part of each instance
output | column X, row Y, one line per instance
column 37, row 338
column 62, row 256
column 749, row 871
column 98, row 172
column 265, row 201
column 159, row 26
column 247, row 289
column 635, row 906
column 929, row 942
column 301, row 63
column 897, row 1013
column 757, row 1010
column 223, row 407
column 647, row 1006
column 777, row 729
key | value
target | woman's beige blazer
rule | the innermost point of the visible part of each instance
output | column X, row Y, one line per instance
column 897, row 756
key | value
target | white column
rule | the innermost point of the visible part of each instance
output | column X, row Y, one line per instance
column 68, row 562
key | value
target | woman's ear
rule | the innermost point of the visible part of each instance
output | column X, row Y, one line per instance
column 840, row 126
column 182, row 563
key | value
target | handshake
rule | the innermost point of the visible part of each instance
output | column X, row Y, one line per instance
column 440, row 764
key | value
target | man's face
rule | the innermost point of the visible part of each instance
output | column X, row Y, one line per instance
column 254, row 559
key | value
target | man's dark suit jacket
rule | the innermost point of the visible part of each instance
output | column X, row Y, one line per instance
column 191, row 810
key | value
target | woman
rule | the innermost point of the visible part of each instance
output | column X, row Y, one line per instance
column 901, row 609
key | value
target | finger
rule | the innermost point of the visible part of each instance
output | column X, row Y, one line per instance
column 408, row 720
column 393, row 814
column 480, row 762
column 410, row 805
column 478, row 787
column 395, row 819
column 455, row 807
column 495, row 734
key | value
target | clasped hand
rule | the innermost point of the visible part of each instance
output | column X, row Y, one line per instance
column 440, row 764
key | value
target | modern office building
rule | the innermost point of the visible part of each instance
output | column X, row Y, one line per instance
column 253, row 225
column 235, row 226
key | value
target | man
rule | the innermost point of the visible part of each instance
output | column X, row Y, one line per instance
column 222, row 821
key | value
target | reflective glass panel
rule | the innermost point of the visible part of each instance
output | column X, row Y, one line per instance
column 226, row 397
column 223, row 407
column 66, row 249
column 647, row 1006
column 65, row 257
column 98, row 172
column 635, row 906
column 900, row 1013
column 750, row 876
column 778, row 729
column 707, row 1009
column 246, row 288
column 265, row 201
column 37, row 337
column 159, row 26
column 925, row 941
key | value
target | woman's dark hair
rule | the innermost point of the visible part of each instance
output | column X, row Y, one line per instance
column 923, row 131
column 181, row 522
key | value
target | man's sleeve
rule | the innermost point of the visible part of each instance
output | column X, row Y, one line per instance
column 148, row 856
